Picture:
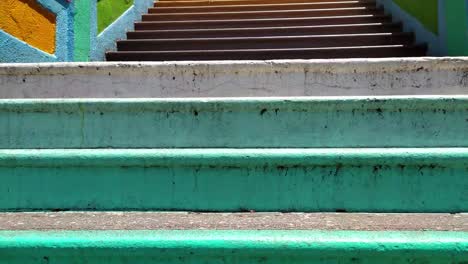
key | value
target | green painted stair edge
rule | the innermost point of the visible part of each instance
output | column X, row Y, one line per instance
column 310, row 180
column 417, row 121
column 209, row 246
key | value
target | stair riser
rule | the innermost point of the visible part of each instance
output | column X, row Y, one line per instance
column 236, row 123
column 230, row 247
column 259, row 23
column 265, row 43
column 236, row 180
column 243, row 2
column 360, row 77
column 291, row 31
column 259, row 15
column 268, row 54
column 266, row 7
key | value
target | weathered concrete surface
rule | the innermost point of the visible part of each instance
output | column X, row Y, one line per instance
column 415, row 76
column 236, row 180
column 286, row 122
column 231, row 221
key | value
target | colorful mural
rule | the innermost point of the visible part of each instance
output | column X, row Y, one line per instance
column 109, row 10
column 30, row 22
column 64, row 30
column 426, row 11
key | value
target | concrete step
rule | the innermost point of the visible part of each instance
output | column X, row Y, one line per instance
column 265, row 22
column 432, row 121
column 256, row 7
column 266, row 31
column 350, row 77
column 263, row 14
column 232, row 246
column 305, row 180
column 272, row 42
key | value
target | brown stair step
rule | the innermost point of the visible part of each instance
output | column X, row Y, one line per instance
column 257, row 7
column 249, row 2
column 266, row 31
column 264, row 14
column 268, row 54
column 276, row 22
column 272, row 42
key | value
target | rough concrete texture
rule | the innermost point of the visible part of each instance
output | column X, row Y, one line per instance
column 232, row 221
column 236, row 180
column 415, row 76
column 260, row 122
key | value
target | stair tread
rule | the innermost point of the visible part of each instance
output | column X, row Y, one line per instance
column 292, row 38
column 280, row 6
column 268, row 28
column 197, row 156
column 259, row 14
column 266, row 11
column 266, row 31
column 270, row 50
column 268, row 19
column 232, row 221
column 265, row 42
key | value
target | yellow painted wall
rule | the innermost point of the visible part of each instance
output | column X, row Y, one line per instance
column 30, row 22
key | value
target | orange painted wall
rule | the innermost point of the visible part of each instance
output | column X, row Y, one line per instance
column 30, row 22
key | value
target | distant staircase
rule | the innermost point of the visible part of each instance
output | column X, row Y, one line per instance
column 265, row 29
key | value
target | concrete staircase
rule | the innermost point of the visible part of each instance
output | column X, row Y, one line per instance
column 264, row 29
column 235, row 162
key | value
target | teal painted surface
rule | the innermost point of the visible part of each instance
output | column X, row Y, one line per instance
column 233, row 247
column 456, row 15
column 267, row 122
column 360, row 180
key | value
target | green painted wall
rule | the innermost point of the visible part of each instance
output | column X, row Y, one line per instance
column 457, row 27
column 425, row 11
column 82, row 30
column 109, row 10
